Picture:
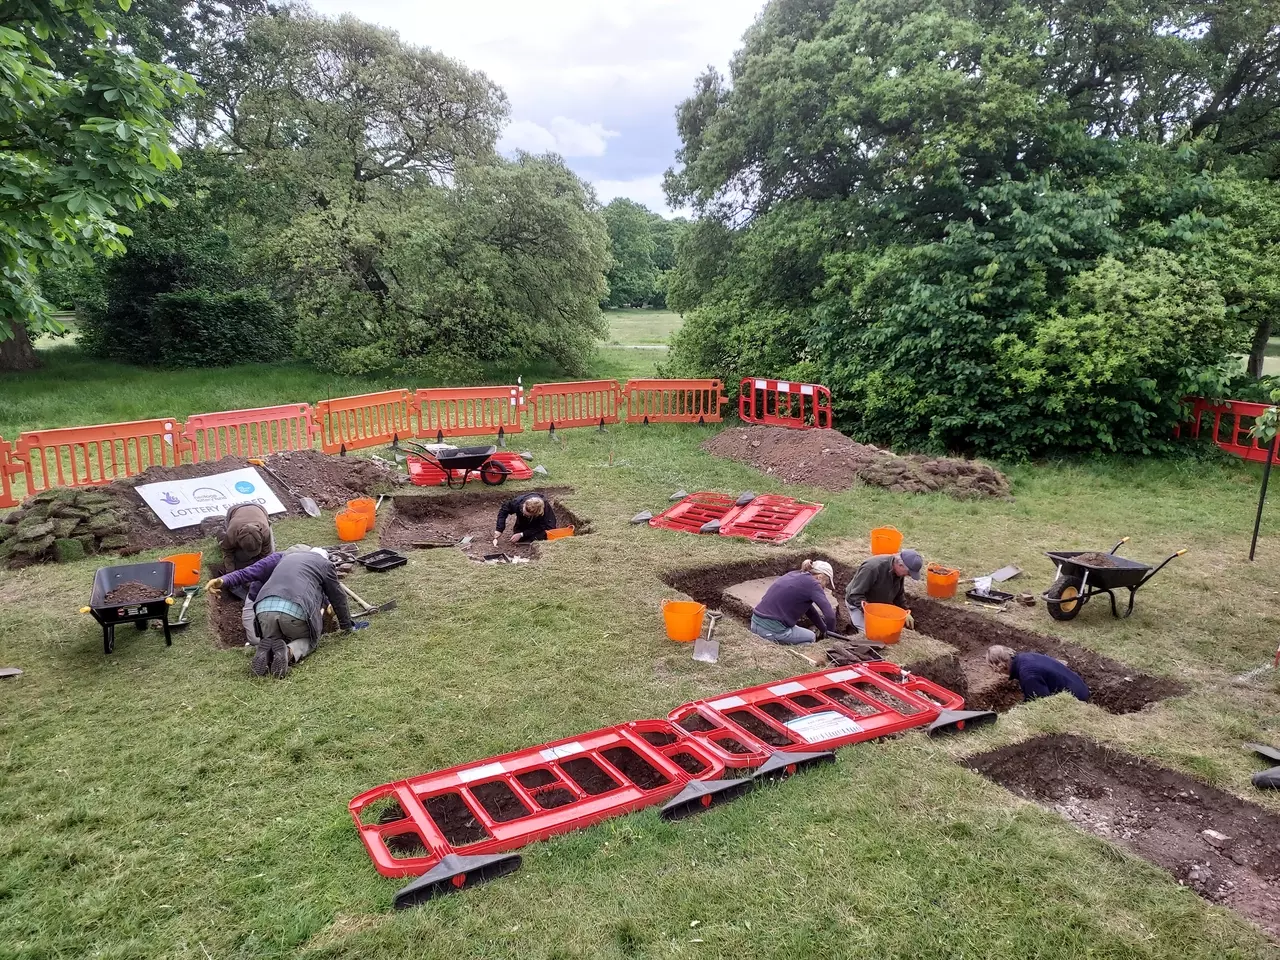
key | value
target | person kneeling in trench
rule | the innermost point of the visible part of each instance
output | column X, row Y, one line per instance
column 245, row 539
column 289, row 611
column 882, row 579
column 1038, row 675
column 792, row 596
column 534, row 517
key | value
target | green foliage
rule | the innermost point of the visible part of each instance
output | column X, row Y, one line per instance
column 633, row 278
column 922, row 205
column 85, row 137
column 201, row 328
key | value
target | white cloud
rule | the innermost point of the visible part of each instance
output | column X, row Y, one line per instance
column 569, row 138
column 643, row 190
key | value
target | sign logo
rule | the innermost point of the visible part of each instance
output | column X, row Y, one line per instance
column 170, row 499
column 244, row 486
column 207, row 494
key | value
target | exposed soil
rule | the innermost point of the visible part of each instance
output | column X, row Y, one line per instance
column 500, row 801
column 1225, row 849
column 587, row 774
column 688, row 763
column 1115, row 687
column 1096, row 560
column 635, row 767
column 888, row 699
column 829, row 459
column 425, row 519
column 454, row 819
column 553, row 797
column 659, row 739
column 762, row 731
column 697, row 723
column 331, row 481
column 537, row 778
column 131, row 591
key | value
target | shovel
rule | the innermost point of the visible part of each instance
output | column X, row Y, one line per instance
column 182, row 621
column 308, row 505
column 706, row 650
column 368, row 610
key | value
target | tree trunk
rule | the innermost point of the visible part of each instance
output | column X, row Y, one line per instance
column 16, row 352
column 1257, row 354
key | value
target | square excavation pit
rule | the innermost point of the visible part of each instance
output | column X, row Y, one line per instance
column 1114, row 686
column 444, row 520
column 1225, row 849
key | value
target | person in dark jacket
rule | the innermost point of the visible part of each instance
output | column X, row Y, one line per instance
column 289, row 609
column 534, row 517
column 792, row 597
column 882, row 579
column 1037, row 674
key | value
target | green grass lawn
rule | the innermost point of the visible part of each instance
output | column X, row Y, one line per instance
column 162, row 803
column 642, row 327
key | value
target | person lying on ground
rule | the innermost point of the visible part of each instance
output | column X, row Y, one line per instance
column 882, row 579
column 1038, row 675
column 792, row 597
column 534, row 517
column 246, row 538
column 290, row 604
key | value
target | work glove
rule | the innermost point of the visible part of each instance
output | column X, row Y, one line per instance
column 214, row 586
column 359, row 624
column 911, row 621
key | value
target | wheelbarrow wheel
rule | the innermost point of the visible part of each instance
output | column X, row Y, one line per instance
column 493, row 474
column 1063, row 598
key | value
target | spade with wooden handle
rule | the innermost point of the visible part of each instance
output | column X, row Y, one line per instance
column 309, row 506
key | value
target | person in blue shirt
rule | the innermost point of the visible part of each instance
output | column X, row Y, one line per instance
column 1037, row 674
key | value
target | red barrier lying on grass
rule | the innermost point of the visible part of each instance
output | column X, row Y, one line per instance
column 586, row 403
column 468, row 411
column 781, row 403
column 674, row 401
column 250, row 433
column 369, row 420
column 87, row 456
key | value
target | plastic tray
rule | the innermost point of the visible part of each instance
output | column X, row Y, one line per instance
column 380, row 561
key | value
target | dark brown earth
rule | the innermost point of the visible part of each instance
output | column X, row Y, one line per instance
column 131, row 591
column 1096, row 560
column 1115, row 687
column 454, row 819
column 1158, row 814
column 536, row 778
column 688, row 763
column 500, row 801
column 829, row 459
column 587, row 774
column 635, row 767
column 330, row 480
column 450, row 517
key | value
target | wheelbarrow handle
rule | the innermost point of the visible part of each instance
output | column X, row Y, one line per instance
column 1162, row 566
column 1121, row 544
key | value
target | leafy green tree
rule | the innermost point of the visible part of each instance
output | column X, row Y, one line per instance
column 896, row 193
column 84, row 137
column 633, row 279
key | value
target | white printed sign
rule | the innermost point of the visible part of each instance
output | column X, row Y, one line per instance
column 821, row 727
column 562, row 751
column 184, row 503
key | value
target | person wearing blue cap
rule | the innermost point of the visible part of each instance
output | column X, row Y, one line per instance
column 882, row 579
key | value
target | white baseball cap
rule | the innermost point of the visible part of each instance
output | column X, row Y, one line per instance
column 824, row 568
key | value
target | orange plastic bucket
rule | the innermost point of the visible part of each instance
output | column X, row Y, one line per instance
column 367, row 507
column 560, row 533
column 884, row 622
column 683, row 619
column 186, row 568
column 351, row 525
column 941, row 581
column 885, row 540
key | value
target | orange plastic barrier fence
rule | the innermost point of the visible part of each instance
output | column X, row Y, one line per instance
column 9, row 468
column 468, row 411
column 86, row 456
column 370, row 420
column 1229, row 423
column 585, row 403
column 250, row 433
column 674, row 401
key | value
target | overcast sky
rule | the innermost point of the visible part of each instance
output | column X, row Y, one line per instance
column 597, row 81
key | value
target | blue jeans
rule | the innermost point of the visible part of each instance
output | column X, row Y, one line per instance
column 790, row 636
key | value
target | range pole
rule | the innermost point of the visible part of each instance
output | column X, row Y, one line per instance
column 1262, row 497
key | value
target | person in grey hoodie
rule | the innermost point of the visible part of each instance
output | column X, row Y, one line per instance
column 289, row 610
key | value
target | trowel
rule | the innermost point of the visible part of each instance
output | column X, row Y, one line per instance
column 182, row 620
column 705, row 649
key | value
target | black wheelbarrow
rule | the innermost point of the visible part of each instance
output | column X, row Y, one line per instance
column 139, row 610
column 458, row 465
column 1083, row 574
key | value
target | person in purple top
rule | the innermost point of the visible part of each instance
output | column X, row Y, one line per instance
column 1038, row 675
column 792, row 597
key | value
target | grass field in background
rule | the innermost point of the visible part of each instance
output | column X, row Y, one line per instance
column 642, row 327
column 163, row 803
